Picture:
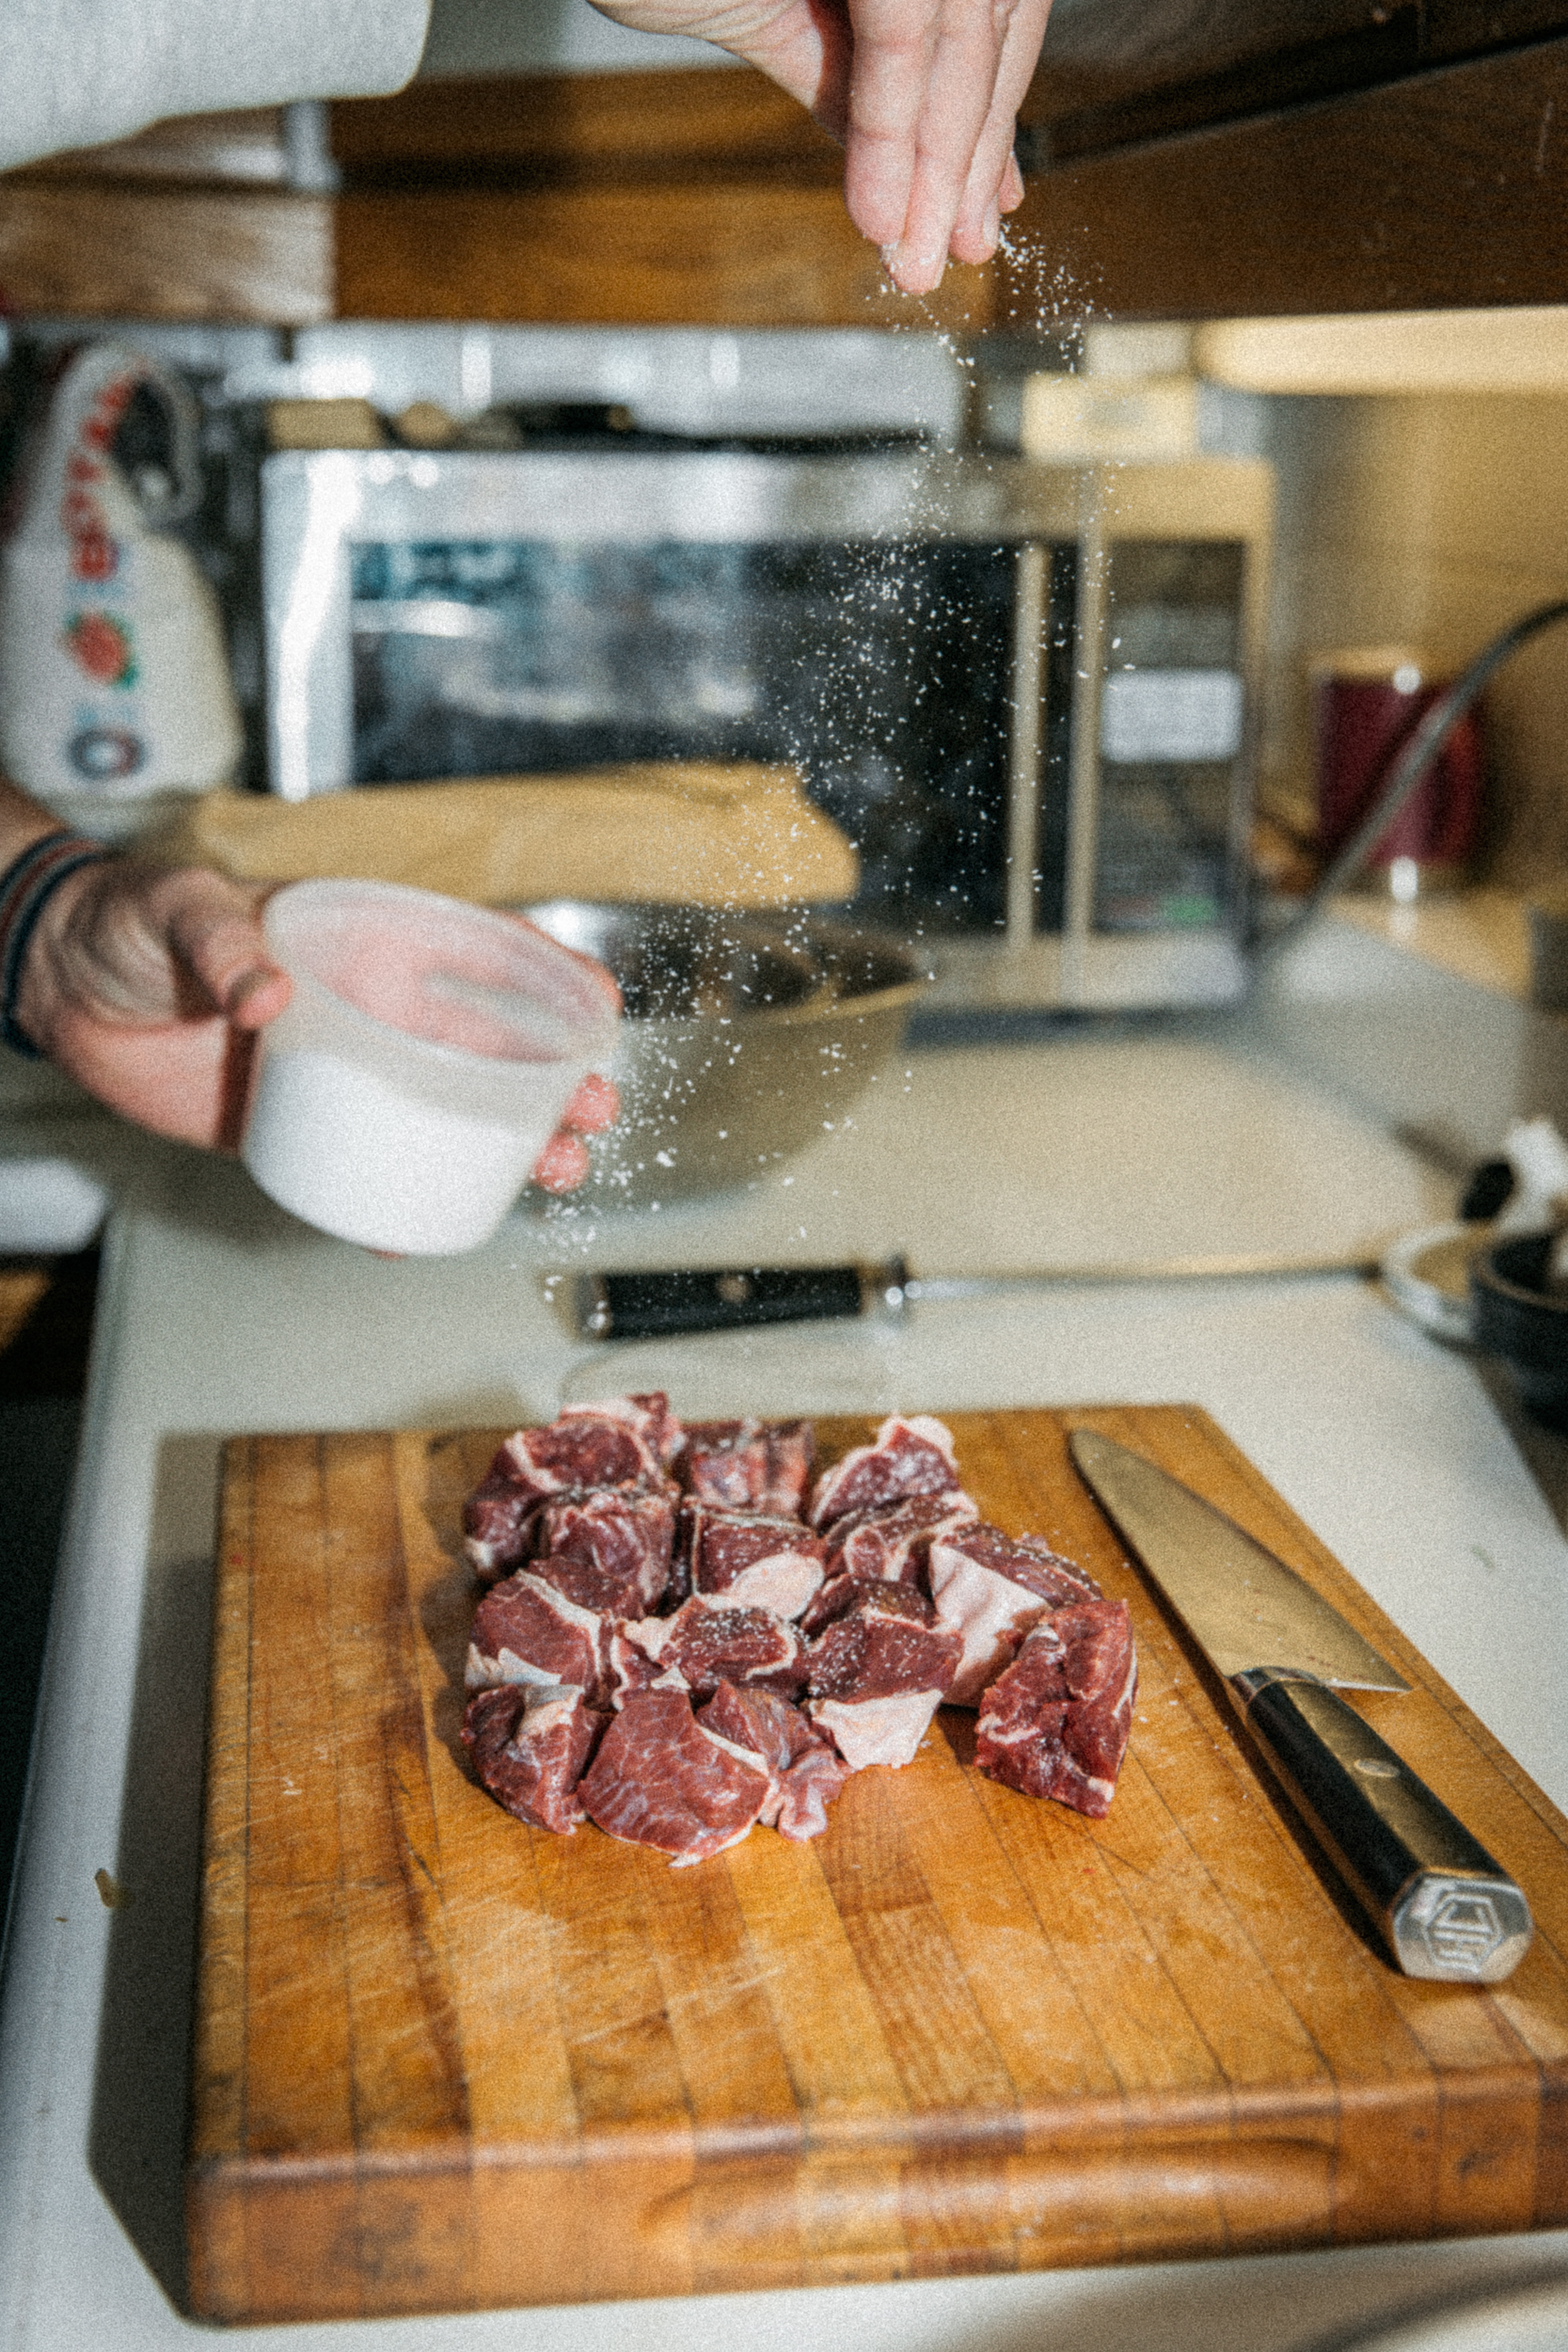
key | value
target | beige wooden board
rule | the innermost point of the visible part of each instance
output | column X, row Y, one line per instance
column 447, row 2062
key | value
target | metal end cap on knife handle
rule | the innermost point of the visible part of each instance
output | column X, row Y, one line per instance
column 1463, row 1930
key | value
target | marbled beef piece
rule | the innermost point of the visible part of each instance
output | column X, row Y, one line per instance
column 525, row 1631
column 711, row 1642
column 661, row 1779
column 648, row 1414
column 749, row 1465
column 989, row 1589
column 497, row 1525
column 614, row 1444
column 895, row 1541
column 589, row 1446
column 876, row 1679
column 531, row 1742
column 1055, row 1724
column 807, row 1768
column 627, row 1531
column 630, row 1667
column 908, row 1457
column 604, row 1591
column 760, row 1563
column 874, row 1595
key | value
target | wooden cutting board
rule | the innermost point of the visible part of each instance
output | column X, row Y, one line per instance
column 445, row 2062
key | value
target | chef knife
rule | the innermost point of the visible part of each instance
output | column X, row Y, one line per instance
column 1441, row 1903
column 671, row 1300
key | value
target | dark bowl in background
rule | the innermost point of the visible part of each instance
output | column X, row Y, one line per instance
column 1522, row 1318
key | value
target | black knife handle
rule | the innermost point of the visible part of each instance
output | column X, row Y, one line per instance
column 732, row 1298
column 1444, row 1907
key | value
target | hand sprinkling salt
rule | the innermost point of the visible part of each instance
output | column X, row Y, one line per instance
column 922, row 94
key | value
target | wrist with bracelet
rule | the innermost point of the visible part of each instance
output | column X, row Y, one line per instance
column 26, row 886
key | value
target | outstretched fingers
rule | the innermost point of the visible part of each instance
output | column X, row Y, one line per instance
column 934, row 93
column 995, row 184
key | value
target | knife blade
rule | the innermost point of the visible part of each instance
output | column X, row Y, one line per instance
column 1442, row 1905
column 667, row 1301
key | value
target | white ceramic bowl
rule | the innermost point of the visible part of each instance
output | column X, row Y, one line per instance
column 422, row 1065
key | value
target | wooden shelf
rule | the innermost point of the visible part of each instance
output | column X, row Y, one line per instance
column 1199, row 173
column 107, row 248
column 1445, row 190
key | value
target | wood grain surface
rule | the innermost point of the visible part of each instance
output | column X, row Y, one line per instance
column 102, row 248
column 1445, row 189
column 446, row 2063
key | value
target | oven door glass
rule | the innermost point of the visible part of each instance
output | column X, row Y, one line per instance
column 1171, row 736
column 881, row 670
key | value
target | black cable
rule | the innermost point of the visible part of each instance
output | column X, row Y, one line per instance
column 1406, row 774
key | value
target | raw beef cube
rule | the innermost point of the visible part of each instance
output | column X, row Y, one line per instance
column 607, row 1592
column 806, row 1791
column 530, row 1744
column 649, row 1415
column 759, row 1563
column 1055, row 1723
column 874, row 1593
column 661, row 1779
column 909, row 1457
column 807, row 1768
column 749, row 1465
column 894, row 1542
column 875, row 1681
column 497, row 1525
column 525, row 1631
column 586, row 1447
column 629, row 1532
column 630, row 1667
column 989, row 1589
column 711, row 1642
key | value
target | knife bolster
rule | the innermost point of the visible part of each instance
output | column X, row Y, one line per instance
column 1444, row 1907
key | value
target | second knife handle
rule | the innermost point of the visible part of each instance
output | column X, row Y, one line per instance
column 730, row 1299
column 1444, row 1908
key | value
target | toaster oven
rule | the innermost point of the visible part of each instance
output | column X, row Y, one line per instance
column 1024, row 691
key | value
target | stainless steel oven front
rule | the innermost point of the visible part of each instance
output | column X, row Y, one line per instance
column 1024, row 691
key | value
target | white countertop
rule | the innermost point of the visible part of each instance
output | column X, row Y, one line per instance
column 219, row 1314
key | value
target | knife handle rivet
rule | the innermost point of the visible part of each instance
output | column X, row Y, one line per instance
column 1377, row 1767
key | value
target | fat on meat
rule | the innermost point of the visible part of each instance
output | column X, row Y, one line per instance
column 662, row 1779
column 989, row 1589
column 894, row 1541
column 710, row 1641
column 1056, row 1723
column 907, row 1458
column 749, row 1465
column 627, row 1531
column 526, row 1631
column 531, row 1742
column 758, row 1562
column 807, row 1768
column 876, row 1679
column 497, row 1525
column 648, row 1414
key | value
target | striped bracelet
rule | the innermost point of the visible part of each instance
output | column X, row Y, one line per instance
column 26, row 888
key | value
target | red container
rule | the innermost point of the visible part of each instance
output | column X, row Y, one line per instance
column 1366, row 705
